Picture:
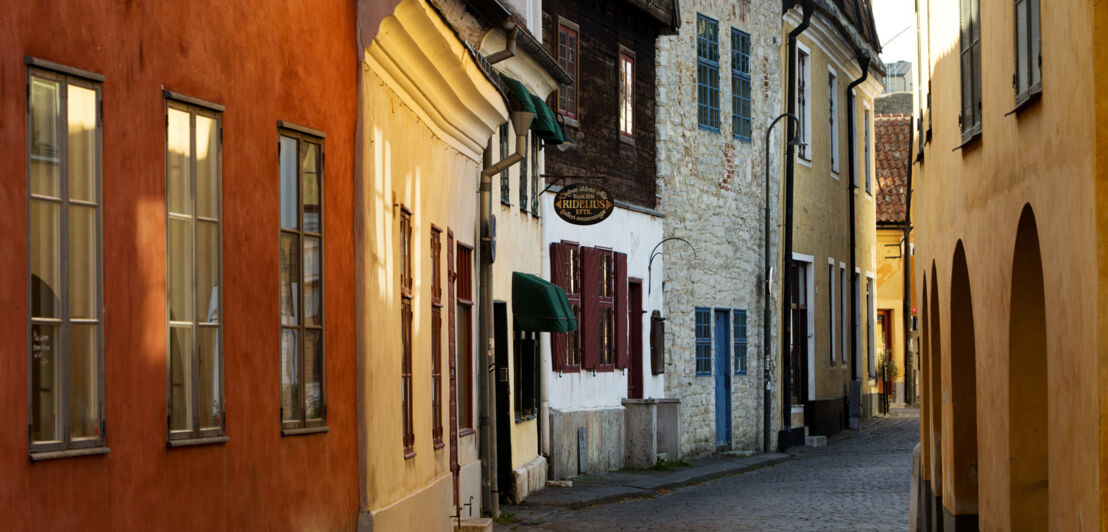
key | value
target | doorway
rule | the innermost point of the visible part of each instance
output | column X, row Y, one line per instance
column 503, row 397
column 634, row 316
column 798, row 371
column 723, row 377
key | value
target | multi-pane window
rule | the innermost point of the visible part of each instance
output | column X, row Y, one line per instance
column 970, row 44
column 525, row 354
column 66, row 382
column 573, row 294
column 607, row 293
column 740, row 85
column 523, row 177
column 703, row 341
column 301, row 276
column 831, row 311
column 739, row 340
column 842, row 314
column 802, row 100
column 867, row 142
column 436, row 336
column 464, row 334
column 1028, row 59
column 833, row 114
column 707, row 73
column 626, row 94
column 194, row 285
column 406, row 330
column 567, row 59
column 505, row 184
column 535, row 175
column 870, row 313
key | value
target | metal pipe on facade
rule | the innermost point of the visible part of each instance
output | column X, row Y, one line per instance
column 909, row 394
column 863, row 62
column 521, row 122
column 786, row 392
column 767, row 376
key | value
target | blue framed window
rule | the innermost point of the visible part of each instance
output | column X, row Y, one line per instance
column 703, row 341
column 739, row 335
column 740, row 85
column 707, row 73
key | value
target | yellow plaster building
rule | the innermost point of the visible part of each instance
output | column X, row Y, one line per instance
column 1009, row 204
column 828, row 354
column 426, row 112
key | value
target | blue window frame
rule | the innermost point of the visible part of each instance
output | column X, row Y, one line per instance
column 741, row 110
column 703, row 341
column 738, row 321
column 707, row 73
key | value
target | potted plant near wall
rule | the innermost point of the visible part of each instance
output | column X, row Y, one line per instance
column 889, row 372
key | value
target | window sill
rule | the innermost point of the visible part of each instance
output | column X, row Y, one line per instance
column 439, row 445
column 524, row 419
column 625, row 139
column 969, row 138
column 702, row 374
column 835, row 175
column 570, row 369
column 742, row 139
column 192, row 442
column 709, row 129
column 804, row 162
column 569, row 120
column 1026, row 100
column 408, row 455
column 305, row 430
column 466, row 432
column 740, row 373
column 604, row 368
column 68, row 453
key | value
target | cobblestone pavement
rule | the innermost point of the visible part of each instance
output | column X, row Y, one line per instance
column 859, row 481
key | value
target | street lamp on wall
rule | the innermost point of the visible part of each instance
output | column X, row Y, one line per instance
column 767, row 288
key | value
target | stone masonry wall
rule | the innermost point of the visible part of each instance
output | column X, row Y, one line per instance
column 713, row 194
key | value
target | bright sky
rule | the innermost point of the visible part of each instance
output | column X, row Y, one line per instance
column 895, row 27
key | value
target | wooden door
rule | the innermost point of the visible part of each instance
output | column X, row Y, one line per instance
column 635, row 317
column 452, row 306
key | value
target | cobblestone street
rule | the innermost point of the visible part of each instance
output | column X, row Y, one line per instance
column 859, row 481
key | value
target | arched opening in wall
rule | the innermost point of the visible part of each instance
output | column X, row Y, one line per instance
column 925, row 387
column 963, row 391
column 936, row 350
column 1027, row 382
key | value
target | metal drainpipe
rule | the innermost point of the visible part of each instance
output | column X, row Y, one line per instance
column 786, row 299
column 863, row 62
column 907, row 257
column 767, row 356
column 521, row 121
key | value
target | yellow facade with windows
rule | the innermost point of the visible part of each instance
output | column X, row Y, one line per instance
column 1011, row 272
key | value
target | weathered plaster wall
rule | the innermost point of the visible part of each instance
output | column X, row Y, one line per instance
column 1048, row 157
column 713, row 194
column 221, row 53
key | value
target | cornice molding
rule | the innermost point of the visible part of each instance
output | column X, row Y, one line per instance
column 421, row 59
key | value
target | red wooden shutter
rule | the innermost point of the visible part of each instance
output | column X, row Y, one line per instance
column 590, row 307
column 623, row 351
column 558, row 277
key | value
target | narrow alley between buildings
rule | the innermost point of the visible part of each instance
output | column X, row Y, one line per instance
column 858, row 481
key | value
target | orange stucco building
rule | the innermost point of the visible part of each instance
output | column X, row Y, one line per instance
column 187, row 420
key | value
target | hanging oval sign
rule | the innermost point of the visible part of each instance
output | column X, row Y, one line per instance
column 583, row 204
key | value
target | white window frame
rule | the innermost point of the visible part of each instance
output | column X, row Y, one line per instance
column 843, row 314
column 809, row 303
column 833, row 120
column 804, row 115
column 1028, row 49
column 831, row 337
column 857, row 323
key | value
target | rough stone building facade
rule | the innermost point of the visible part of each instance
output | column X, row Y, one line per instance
column 712, row 188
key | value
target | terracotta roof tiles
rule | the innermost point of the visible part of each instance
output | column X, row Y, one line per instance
column 891, row 147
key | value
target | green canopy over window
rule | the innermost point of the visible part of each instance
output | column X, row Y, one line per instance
column 539, row 305
column 544, row 126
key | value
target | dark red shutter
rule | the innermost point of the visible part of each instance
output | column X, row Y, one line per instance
column 590, row 307
column 623, row 351
column 558, row 277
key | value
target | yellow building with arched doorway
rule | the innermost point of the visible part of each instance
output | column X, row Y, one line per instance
column 1010, row 180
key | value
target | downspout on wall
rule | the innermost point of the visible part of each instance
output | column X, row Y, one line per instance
column 521, row 122
column 909, row 384
column 784, row 439
column 855, row 400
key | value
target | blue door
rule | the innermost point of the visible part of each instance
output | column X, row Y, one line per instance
column 723, row 378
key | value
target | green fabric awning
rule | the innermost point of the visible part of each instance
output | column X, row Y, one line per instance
column 539, row 305
column 545, row 126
